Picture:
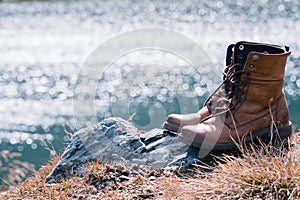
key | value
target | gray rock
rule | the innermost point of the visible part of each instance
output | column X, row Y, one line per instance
column 115, row 140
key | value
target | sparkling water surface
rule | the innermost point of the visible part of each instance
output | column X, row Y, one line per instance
column 44, row 43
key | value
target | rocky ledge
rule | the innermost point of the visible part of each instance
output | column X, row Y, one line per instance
column 115, row 140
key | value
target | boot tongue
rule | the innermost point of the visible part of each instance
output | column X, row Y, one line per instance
column 238, row 58
column 235, row 54
column 240, row 55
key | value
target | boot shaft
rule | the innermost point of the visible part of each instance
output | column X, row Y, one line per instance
column 262, row 61
column 263, row 70
column 242, row 50
column 260, row 83
column 265, row 58
column 265, row 74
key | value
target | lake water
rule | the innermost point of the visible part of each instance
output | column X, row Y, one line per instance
column 44, row 43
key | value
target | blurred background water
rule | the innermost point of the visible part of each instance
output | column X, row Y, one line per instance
column 44, row 43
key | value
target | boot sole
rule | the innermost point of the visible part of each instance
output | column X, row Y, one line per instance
column 284, row 132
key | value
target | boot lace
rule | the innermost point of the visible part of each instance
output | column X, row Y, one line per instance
column 227, row 96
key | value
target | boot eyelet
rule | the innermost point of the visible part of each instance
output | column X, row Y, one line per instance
column 251, row 66
column 240, row 56
column 241, row 47
column 255, row 57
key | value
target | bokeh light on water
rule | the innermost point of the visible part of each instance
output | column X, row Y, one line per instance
column 43, row 44
column 149, row 84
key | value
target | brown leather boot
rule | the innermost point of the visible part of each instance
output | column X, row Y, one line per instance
column 250, row 103
column 175, row 122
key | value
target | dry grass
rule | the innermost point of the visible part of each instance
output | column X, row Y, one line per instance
column 13, row 170
column 260, row 173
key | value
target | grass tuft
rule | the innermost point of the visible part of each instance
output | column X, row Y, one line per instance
column 13, row 171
